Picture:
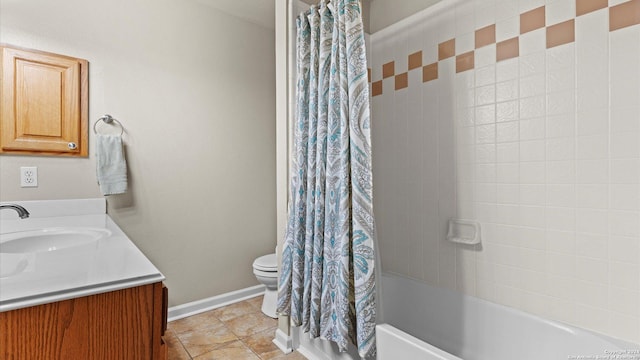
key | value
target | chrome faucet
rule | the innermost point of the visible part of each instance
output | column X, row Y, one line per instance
column 22, row 212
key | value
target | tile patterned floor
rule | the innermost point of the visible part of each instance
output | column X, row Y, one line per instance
column 237, row 332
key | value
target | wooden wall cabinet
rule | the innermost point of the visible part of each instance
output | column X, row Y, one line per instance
column 125, row 324
column 45, row 103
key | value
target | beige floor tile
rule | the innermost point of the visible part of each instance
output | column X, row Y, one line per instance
column 262, row 344
column 256, row 302
column 200, row 341
column 249, row 324
column 233, row 351
column 175, row 349
column 234, row 310
column 192, row 323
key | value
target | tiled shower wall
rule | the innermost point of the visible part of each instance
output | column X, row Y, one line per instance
column 524, row 116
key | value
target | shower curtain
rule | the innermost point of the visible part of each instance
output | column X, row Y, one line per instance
column 327, row 282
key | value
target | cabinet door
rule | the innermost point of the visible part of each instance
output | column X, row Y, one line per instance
column 115, row 325
column 44, row 103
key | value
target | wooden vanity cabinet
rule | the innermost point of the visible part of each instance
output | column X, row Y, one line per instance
column 120, row 325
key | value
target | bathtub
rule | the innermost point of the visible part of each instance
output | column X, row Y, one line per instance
column 425, row 322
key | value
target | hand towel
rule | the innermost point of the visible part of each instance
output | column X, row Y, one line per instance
column 111, row 167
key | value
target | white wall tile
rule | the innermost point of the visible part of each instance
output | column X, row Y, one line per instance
column 532, row 64
column 561, row 195
column 624, row 275
column 485, row 114
column 592, row 246
column 507, row 131
column 624, row 249
column 532, row 129
column 594, row 196
column 542, row 149
column 507, row 69
column 592, row 171
column 506, row 9
column 592, row 147
column 485, row 56
column 526, row 5
column 625, row 196
column 625, row 119
column 532, row 107
column 532, row 172
column 507, row 28
column 562, row 219
column 533, row 42
column 562, row 125
column 559, row 11
column 561, row 241
column 507, row 173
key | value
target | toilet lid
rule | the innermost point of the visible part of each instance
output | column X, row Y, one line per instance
column 266, row 263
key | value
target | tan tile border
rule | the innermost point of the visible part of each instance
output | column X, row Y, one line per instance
column 560, row 34
column 624, row 15
column 464, row 62
column 532, row 20
column 415, row 60
column 508, row 49
column 447, row 49
column 587, row 6
column 402, row 81
column 485, row 36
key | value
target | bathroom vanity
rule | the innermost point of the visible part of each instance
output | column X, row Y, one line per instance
column 74, row 286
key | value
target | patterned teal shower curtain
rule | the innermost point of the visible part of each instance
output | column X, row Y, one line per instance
column 327, row 282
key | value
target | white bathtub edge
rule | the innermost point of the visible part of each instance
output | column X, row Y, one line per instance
column 394, row 344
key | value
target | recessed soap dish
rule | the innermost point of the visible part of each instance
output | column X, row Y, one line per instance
column 464, row 232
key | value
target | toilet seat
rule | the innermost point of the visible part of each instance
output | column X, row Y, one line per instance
column 266, row 263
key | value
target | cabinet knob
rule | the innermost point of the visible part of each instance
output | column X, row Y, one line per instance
column 72, row 146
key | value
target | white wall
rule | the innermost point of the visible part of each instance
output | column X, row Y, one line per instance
column 383, row 13
column 541, row 149
column 194, row 88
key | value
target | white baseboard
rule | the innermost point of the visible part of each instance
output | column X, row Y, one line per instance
column 284, row 342
column 214, row 302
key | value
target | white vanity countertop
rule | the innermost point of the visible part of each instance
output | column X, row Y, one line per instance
column 107, row 264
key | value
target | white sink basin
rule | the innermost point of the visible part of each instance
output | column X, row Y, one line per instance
column 49, row 239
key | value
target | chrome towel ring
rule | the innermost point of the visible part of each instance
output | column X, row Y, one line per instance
column 108, row 119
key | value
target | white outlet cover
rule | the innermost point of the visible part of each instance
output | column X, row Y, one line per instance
column 28, row 176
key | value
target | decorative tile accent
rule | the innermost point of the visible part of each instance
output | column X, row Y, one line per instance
column 623, row 15
column 415, row 60
column 376, row 88
column 430, row 72
column 388, row 69
column 485, row 36
column 402, row 81
column 532, row 20
column 447, row 49
column 587, row 6
column 560, row 34
column 369, row 74
column 620, row 16
column 464, row 62
column 508, row 49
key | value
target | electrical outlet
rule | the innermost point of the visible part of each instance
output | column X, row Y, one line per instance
column 28, row 176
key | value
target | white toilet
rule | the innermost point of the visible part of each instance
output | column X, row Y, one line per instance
column 265, row 269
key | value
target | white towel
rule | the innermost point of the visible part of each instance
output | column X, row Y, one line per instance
column 111, row 168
